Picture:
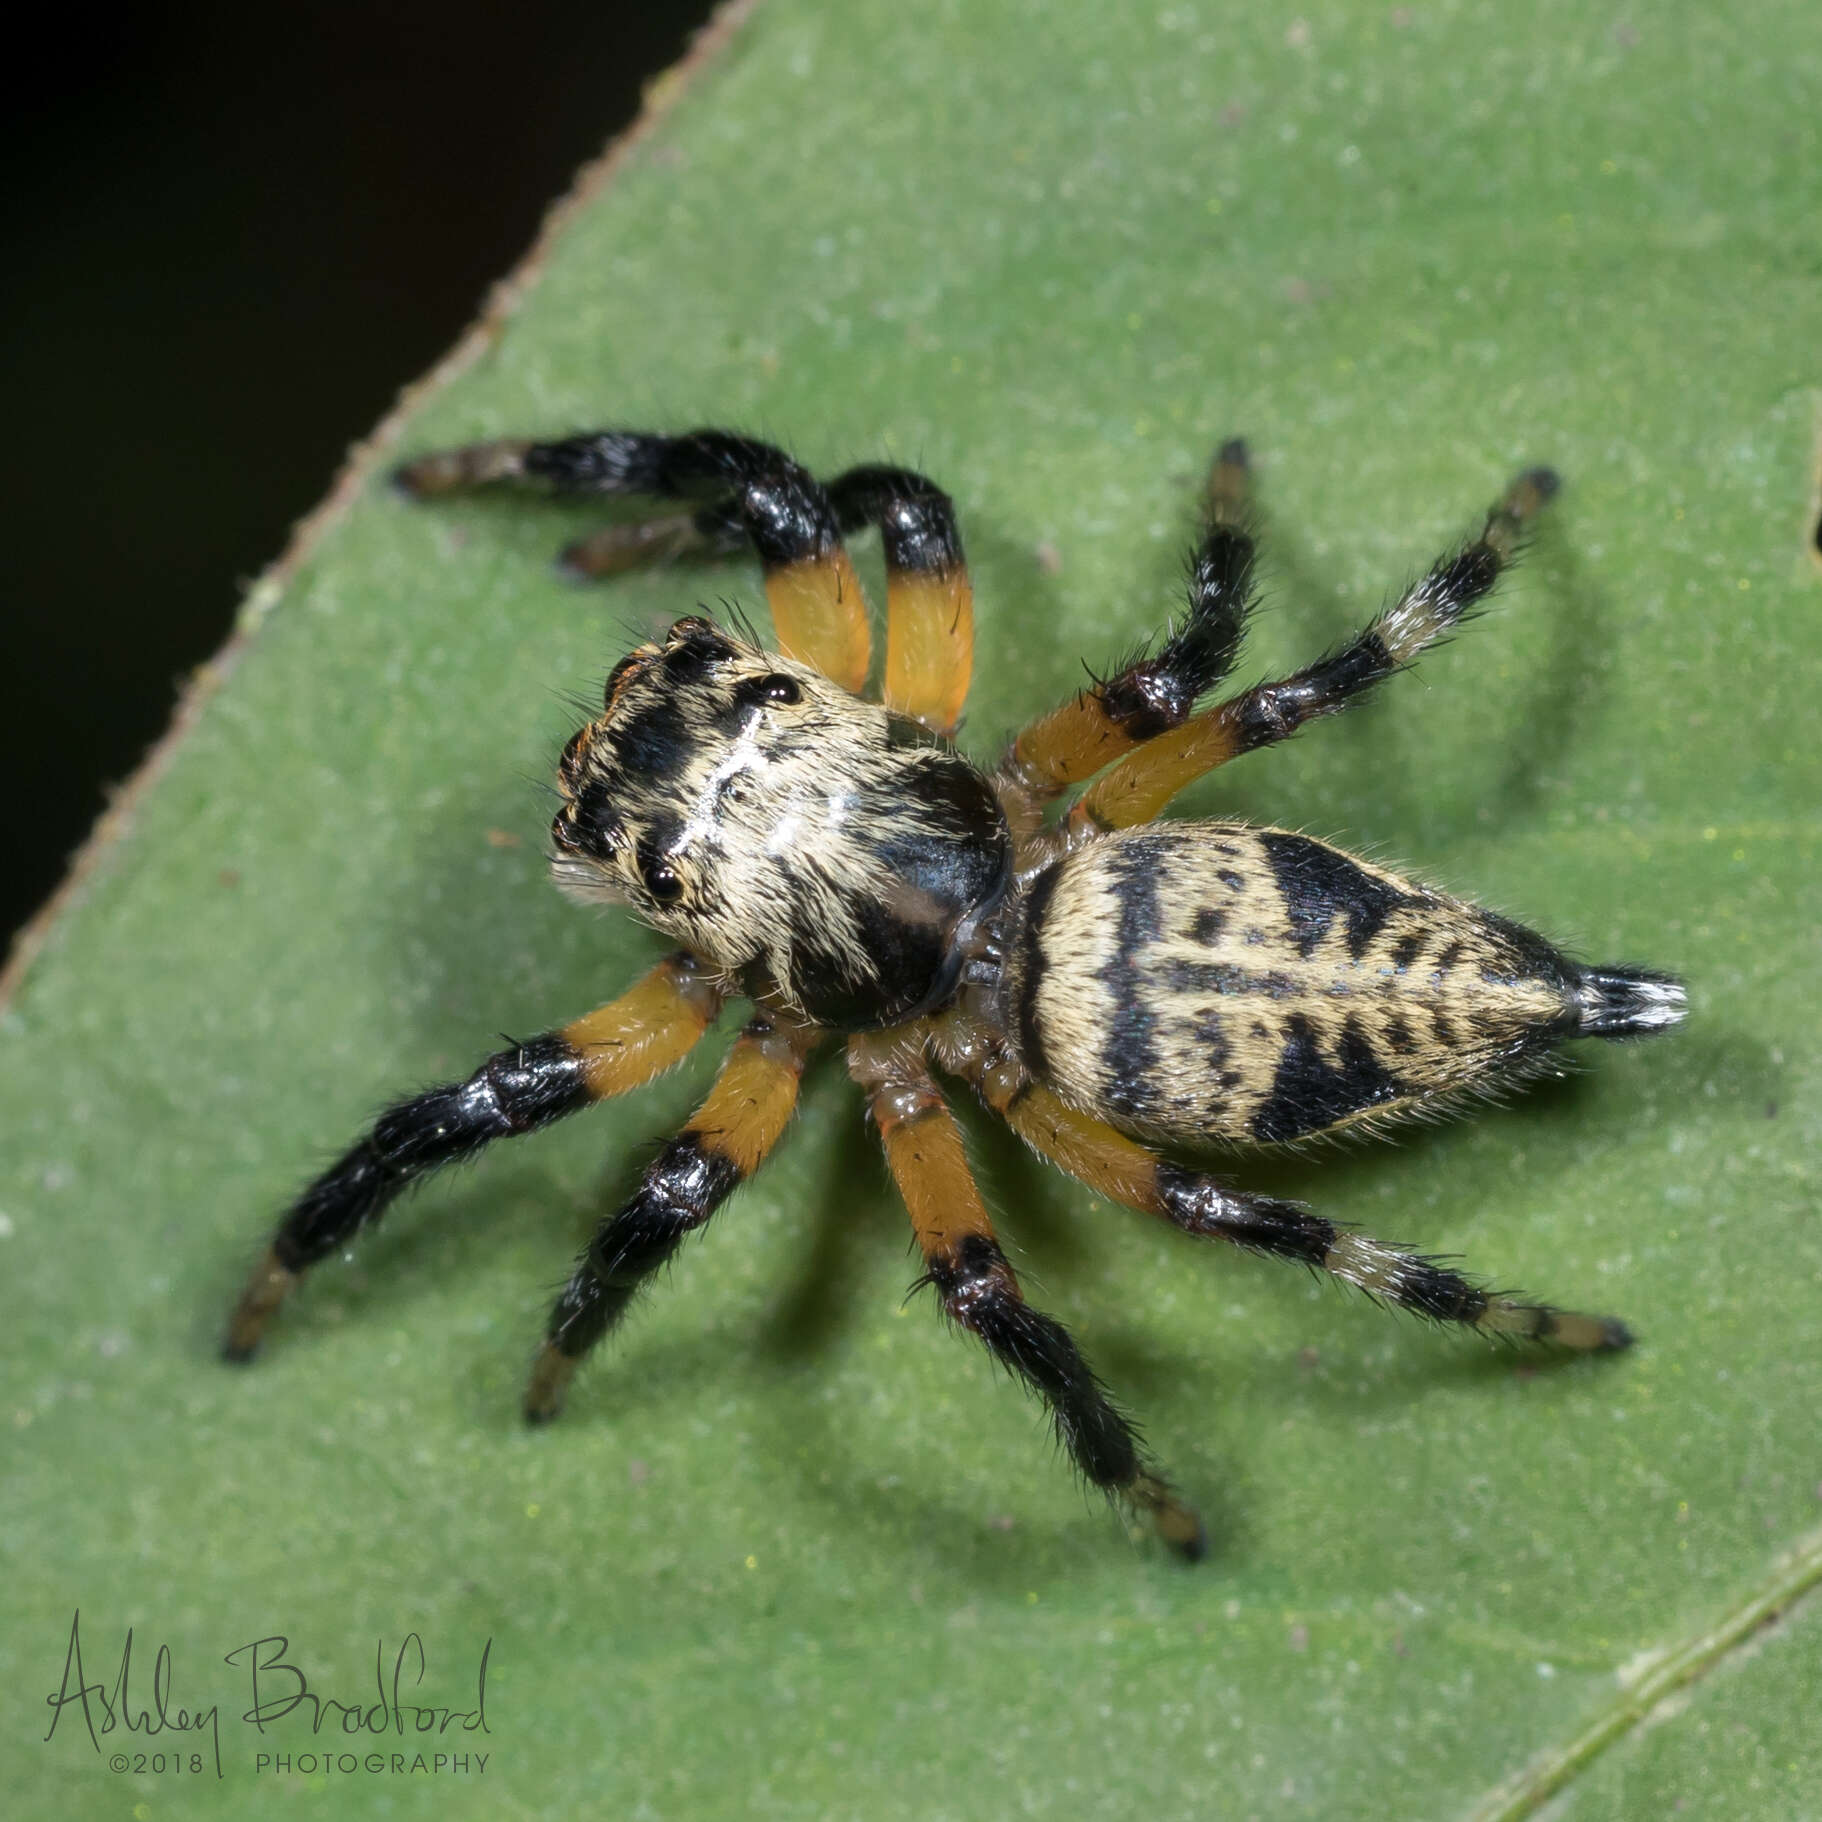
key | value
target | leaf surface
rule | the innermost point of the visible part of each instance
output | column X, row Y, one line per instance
column 795, row 1551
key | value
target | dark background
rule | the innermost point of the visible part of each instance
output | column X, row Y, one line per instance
column 231, row 235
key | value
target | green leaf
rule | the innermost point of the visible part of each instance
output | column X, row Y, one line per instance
column 794, row 1550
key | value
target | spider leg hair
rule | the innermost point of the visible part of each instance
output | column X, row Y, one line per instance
column 725, row 1141
column 1154, row 692
column 526, row 1086
column 980, row 1293
column 1144, row 781
column 929, row 598
column 744, row 488
column 1123, row 1170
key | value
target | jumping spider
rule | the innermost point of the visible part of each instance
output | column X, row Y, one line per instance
column 1116, row 989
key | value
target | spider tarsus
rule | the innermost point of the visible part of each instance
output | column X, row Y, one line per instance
column 1584, row 1334
column 1182, row 1528
column 449, row 470
column 1176, row 1522
column 1530, row 492
column 570, row 565
column 550, row 1376
column 267, row 1287
column 618, row 548
column 1229, row 484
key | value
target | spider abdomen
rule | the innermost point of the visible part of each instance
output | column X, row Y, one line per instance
column 1216, row 981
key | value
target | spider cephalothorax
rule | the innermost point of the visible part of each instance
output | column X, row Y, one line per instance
column 1111, row 986
column 828, row 855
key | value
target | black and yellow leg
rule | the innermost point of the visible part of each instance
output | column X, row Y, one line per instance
column 727, row 1140
column 1157, row 692
column 1125, row 1171
column 622, row 1044
column 817, row 607
column 963, row 1260
column 929, row 598
column 1136, row 789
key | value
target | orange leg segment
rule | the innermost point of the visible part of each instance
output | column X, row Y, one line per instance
column 724, row 1143
column 1158, row 691
column 1136, row 789
column 820, row 615
column 980, row 1292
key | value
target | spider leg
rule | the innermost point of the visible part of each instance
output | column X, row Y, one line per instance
column 817, row 606
column 724, row 1143
column 980, row 1293
column 1157, row 691
column 929, row 598
column 618, row 1046
column 1136, row 789
column 1123, row 1170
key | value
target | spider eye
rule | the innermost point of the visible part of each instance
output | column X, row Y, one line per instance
column 774, row 686
column 662, row 881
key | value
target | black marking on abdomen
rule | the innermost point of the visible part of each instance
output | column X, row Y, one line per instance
column 1207, row 927
column 1034, row 965
column 1182, row 976
column 1209, row 1029
column 1319, row 884
column 1130, row 1055
column 1310, row 1093
column 1405, row 951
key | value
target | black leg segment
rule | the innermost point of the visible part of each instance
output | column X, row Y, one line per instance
column 978, row 1291
column 725, row 1142
column 776, row 502
column 1197, row 1203
column 514, row 1091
